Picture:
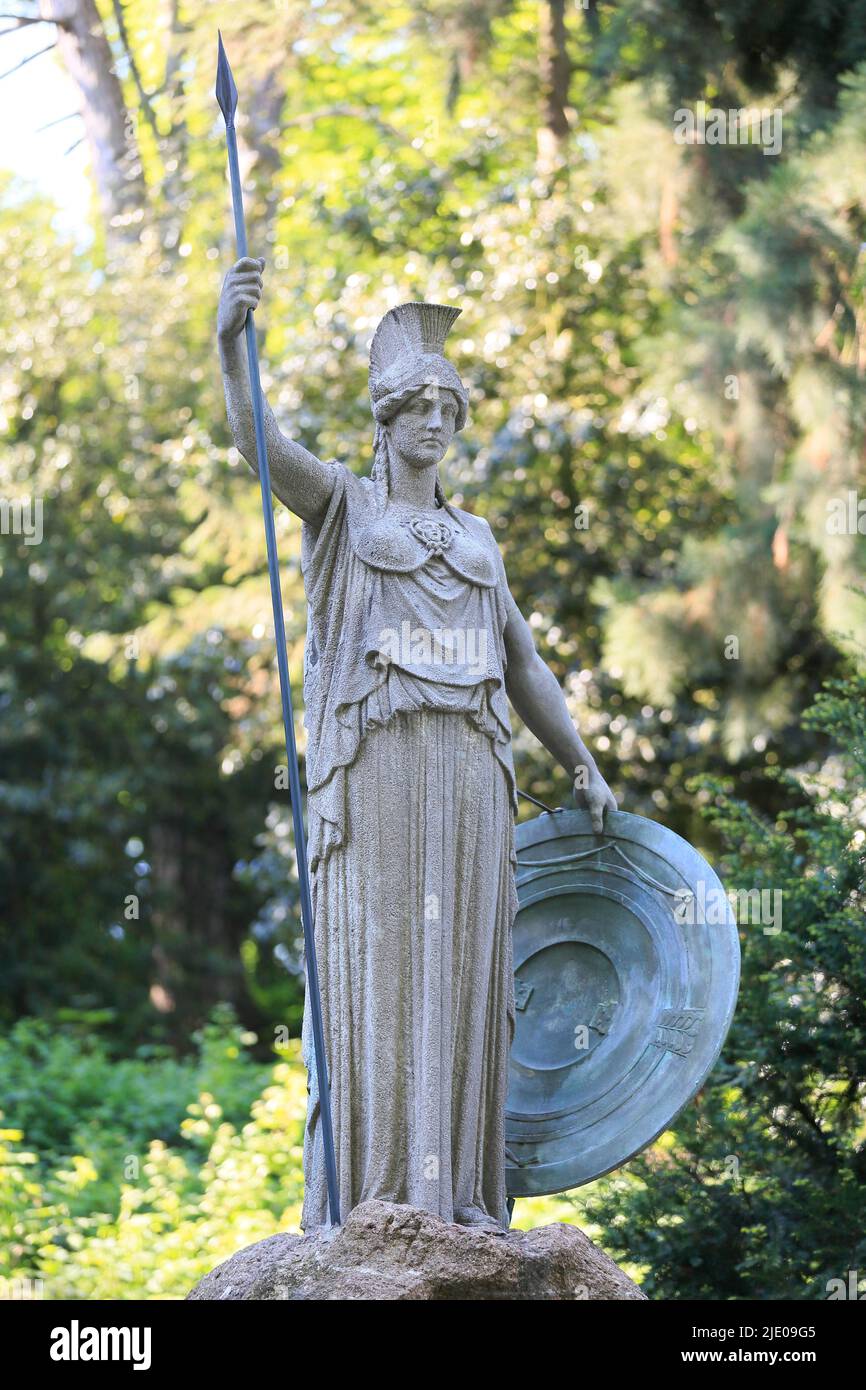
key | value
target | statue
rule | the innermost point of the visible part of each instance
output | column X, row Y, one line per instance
column 414, row 645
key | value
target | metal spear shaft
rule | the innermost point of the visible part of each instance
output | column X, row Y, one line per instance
column 227, row 96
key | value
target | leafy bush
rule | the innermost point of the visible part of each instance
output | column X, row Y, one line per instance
column 759, row 1190
column 125, row 1216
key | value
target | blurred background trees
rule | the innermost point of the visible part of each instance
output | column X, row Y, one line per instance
column 665, row 348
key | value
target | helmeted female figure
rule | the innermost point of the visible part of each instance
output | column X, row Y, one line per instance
column 414, row 646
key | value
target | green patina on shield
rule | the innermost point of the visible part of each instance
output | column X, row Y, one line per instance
column 626, row 967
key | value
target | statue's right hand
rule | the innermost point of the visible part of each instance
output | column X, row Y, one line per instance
column 241, row 292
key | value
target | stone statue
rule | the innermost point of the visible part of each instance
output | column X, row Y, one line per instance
column 414, row 641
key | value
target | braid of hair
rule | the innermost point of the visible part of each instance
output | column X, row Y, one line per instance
column 439, row 494
column 380, row 472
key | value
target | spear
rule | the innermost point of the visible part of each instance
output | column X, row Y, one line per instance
column 227, row 96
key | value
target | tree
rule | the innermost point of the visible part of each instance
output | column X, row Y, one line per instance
column 663, row 345
column 758, row 1190
column 84, row 51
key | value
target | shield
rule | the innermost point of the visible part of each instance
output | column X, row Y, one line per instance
column 626, row 966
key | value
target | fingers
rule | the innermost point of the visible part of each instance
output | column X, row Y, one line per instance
column 591, row 791
column 244, row 287
column 599, row 799
column 240, row 296
column 245, row 279
column 247, row 282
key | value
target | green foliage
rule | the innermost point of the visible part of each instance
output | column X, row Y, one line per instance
column 181, row 1208
column 664, row 349
column 759, row 1189
column 134, row 1177
column 661, row 344
column 70, row 1095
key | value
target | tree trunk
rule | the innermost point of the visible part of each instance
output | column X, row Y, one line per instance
column 196, row 943
column 109, row 126
column 259, row 147
column 555, row 76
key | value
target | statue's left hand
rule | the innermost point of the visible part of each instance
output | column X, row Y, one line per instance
column 591, row 791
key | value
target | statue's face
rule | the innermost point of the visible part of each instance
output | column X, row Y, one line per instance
column 424, row 427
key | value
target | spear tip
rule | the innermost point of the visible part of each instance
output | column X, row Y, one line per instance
column 226, row 91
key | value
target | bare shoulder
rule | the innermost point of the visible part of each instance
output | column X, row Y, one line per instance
column 341, row 481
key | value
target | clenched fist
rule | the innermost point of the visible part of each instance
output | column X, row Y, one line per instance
column 241, row 292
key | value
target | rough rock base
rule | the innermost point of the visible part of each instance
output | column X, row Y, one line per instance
column 390, row 1252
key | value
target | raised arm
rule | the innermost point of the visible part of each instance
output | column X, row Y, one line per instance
column 535, row 693
column 299, row 479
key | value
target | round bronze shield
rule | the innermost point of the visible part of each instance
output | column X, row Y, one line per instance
column 626, row 966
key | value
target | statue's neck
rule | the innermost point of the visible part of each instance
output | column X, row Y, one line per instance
column 415, row 487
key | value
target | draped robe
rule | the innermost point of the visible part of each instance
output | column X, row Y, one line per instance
column 411, row 797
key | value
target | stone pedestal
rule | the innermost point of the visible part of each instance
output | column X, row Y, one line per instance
column 390, row 1252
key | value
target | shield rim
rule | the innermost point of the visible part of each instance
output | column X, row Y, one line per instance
column 577, row 822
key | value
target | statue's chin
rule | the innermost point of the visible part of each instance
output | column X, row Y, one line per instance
column 425, row 458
